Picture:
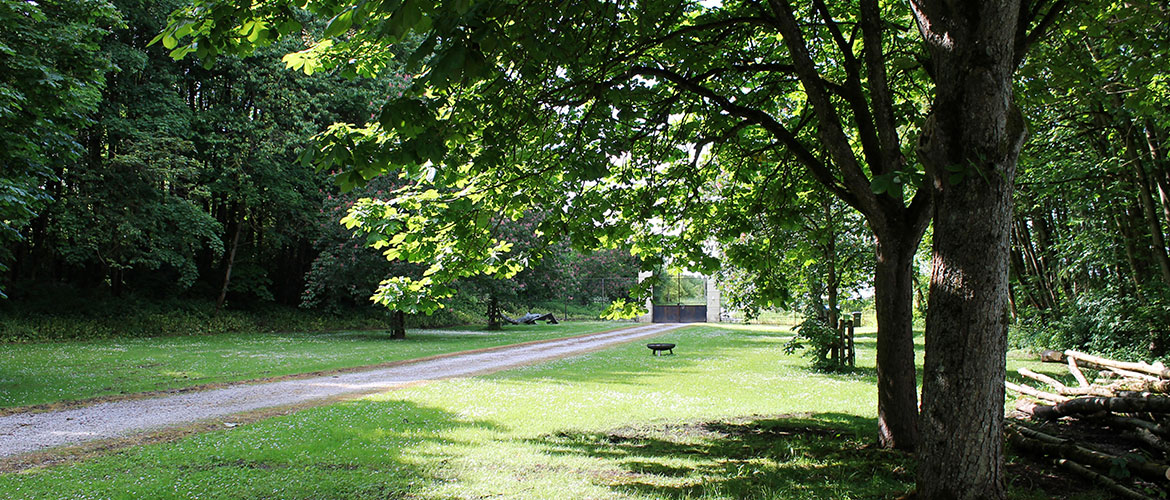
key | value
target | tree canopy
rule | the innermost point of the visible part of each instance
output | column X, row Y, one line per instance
column 625, row 118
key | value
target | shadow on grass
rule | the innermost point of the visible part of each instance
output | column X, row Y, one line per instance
column 360, row 449
column 826, row 455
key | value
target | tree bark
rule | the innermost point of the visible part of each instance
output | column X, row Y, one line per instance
column 1153, row 220
column 969, row 146
column 896, row 377
column 397, row 325
column 493, row 313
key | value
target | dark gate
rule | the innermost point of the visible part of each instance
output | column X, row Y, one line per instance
column 680, row 299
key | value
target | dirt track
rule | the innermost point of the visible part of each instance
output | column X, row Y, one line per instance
column 23, row 433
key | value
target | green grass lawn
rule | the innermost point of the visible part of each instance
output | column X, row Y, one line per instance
column 729, row 416
column 40, row 373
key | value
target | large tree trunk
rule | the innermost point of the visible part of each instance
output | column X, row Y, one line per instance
column 397, row 325
column 894, row 304
column 898, row 226
column 969, row 146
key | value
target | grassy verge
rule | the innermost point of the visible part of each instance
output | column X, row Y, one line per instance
column 43, row 373
column 729, row 416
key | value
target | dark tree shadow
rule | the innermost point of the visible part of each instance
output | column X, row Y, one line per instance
column 826, row 455
column 357, row 449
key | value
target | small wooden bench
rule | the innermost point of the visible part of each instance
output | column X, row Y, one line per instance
column 659, row 347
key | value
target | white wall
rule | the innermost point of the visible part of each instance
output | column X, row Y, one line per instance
column 713, row 308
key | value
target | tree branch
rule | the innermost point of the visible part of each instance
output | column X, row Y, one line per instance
column 761, row 118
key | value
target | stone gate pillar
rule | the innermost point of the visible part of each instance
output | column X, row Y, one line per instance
column 649, row 305
column 713, row 308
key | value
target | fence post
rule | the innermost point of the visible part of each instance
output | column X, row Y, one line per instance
column 852, row 354
column 838, row 351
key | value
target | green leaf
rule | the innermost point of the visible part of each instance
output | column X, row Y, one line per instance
column 340, row 23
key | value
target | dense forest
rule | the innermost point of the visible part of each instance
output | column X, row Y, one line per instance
column 135, row 182
column 1089, row 263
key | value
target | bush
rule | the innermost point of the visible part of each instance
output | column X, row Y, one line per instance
column 817, row 340
column 1101, row 322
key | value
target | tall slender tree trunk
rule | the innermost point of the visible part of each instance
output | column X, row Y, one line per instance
column 1127, row 238
column 493, row 313
column 1153, row 218
column 974, row 130
column 231, row 262
column 894, row 304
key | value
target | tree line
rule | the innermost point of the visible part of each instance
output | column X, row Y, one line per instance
column 131, row 174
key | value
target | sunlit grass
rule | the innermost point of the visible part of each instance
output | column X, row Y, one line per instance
column 38, row 373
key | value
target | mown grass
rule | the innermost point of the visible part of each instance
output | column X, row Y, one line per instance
column 729, row 416
column 49, row 372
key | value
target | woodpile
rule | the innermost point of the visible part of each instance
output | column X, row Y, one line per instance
column 1127, row 405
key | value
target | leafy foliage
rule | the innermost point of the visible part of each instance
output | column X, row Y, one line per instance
column 51, row 76
column 1089, row 263
column 618, row 125
column 816, row 339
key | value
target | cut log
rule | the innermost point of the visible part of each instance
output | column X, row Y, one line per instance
column 1056, row 384
column 1091, row 405
column 1050, row 356
column 1119, row 489
column 1055, row 447
column 1038, row 411
column 1134, row 375
column 1136, row 423
column 1047, row 396
column 1076, row 372
column 1156, row 370
column 1092, row 390
column 1160, row 386
column 1152, row 440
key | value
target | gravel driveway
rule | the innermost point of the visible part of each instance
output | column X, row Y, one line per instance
column 29, row 432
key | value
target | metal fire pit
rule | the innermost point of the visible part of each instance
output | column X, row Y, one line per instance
column 659, row 347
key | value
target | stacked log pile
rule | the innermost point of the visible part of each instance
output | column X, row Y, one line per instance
column 1130, row 400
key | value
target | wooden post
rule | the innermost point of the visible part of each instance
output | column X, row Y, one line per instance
column 840, row 344
column 852, row 356
column 833, row 350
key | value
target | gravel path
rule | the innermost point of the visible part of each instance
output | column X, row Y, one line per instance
column 28, row 432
